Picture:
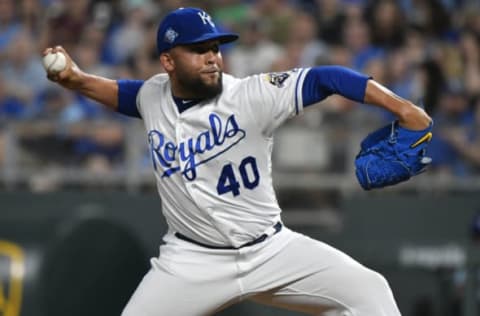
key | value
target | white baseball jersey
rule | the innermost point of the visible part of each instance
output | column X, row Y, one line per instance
column 212, row 162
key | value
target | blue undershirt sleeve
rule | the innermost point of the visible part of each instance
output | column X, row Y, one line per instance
column 322, row 81
column 127, row 96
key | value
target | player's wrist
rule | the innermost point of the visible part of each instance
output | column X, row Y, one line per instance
column 77, row 80
column 414, row 118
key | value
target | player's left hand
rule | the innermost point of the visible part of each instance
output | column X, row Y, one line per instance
column 414, row 118
column 392, row 154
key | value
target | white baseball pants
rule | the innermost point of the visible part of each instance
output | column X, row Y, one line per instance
column 287, row 270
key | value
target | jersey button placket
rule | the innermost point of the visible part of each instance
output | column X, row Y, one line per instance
column 180, row 132
column 180, row 137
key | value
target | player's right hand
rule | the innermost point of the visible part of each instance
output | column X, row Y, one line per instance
column 71, row 76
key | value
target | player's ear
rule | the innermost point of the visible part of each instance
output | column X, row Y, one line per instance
column 167, row 62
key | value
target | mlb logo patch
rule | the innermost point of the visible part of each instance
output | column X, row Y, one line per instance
column 170, row 35
column 277, row 79
column 12, row 269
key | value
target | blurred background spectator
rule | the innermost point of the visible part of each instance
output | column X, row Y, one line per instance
column 425, row 51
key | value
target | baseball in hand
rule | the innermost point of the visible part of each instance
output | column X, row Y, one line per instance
column 54, row 62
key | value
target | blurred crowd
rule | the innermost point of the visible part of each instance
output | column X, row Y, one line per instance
column 427, row 51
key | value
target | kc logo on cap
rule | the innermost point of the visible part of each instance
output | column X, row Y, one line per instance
column 206, row 18
column 189, row 26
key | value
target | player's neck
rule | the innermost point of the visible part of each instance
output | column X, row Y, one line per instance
column 185, row 103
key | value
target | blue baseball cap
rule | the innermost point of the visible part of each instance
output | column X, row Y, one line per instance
column 189, row 26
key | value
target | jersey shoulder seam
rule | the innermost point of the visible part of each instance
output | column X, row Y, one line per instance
column 158, row 79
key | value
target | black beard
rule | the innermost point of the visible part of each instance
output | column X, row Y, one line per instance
column 199, row 89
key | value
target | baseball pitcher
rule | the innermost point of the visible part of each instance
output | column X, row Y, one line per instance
column 210, row 138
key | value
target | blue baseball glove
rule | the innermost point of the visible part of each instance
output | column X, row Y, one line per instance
column 392, row 154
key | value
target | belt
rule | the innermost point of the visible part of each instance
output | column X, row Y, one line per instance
column 275, row 229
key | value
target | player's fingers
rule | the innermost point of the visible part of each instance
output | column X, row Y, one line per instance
column 47, row 51
column 70, row 63
column 60, row 48
column 52, row 77
column 63, row 75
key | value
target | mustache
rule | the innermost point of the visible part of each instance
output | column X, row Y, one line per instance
column 211, row 69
